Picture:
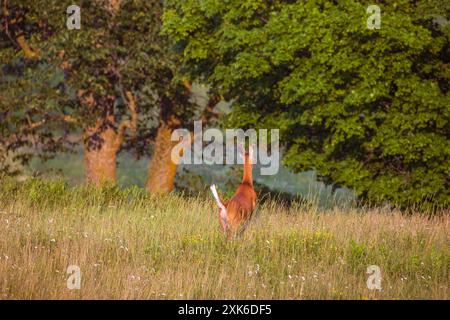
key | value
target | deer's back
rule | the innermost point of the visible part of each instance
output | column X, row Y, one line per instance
column 241, row 205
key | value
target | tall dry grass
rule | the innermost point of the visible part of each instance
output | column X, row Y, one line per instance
column 132, row 246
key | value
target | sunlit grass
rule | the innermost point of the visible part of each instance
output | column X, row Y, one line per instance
column 133, row 246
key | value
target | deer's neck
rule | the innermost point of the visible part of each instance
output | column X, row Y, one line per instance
column 248, row 177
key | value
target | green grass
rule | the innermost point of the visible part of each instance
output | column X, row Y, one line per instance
column 130, row 245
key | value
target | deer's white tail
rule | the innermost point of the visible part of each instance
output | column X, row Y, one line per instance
column 216, row 196
column 223, row 210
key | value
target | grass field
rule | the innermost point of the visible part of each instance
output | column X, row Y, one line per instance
column 129, row 245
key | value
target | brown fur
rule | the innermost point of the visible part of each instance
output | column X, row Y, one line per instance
column 240, row 207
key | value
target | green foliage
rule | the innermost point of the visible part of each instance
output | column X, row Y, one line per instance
column 78, row 77
column 30, row 100
column 32, row 93
column 368, row 109
column 55, row 193
column 356, row 256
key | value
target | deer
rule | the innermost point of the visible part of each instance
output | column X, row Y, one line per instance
column 237, row 211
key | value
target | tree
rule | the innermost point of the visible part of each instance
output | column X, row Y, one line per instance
column 119, row 84
column 30, row 89
column 368, row 109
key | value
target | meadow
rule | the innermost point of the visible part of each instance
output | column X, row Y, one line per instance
column 131, row 245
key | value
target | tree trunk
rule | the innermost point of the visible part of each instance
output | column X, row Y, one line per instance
column 102, row 142
column 100, row 154
column 162, row 171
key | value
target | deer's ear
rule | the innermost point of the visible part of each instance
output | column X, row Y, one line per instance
column 251, row 149
column 241, row 150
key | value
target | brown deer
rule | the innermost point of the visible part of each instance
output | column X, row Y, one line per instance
column 235, row 212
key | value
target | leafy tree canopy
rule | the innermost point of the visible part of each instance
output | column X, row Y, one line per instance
column 368, row 109
column 52, row 76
